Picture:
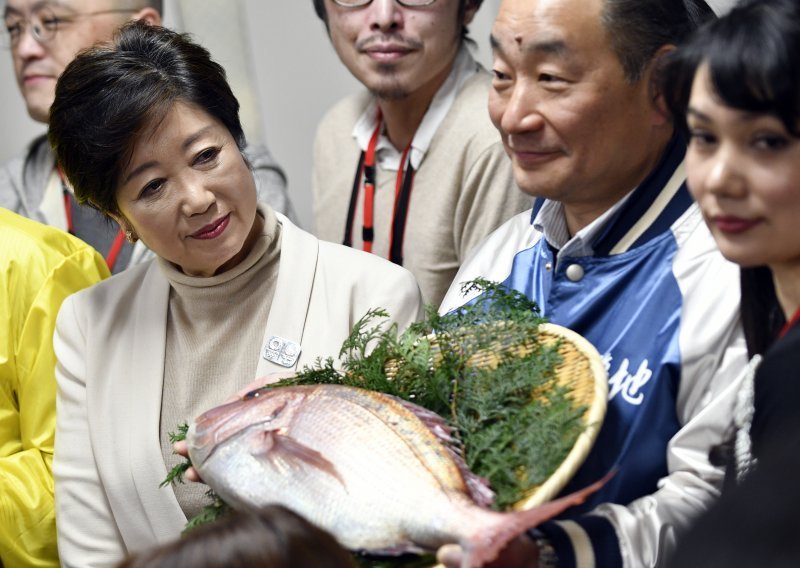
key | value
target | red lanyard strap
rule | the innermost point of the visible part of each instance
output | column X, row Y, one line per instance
column 790, row 324
column 405, row 178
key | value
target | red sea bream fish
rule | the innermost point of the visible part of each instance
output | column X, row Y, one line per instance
column 377, row 472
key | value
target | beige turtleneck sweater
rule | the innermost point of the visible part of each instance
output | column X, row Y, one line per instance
column 215, row 328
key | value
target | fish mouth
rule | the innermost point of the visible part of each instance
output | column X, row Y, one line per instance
column 220, row 424
column 205, row 429
column 200, row 454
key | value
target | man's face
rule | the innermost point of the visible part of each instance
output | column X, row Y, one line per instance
column 575, row 130
column 395, row 51
column 38, row 65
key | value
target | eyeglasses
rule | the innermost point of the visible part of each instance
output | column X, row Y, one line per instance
column 43, row 24
column 361, row 3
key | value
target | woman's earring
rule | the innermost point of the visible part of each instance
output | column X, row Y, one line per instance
column 131, row 237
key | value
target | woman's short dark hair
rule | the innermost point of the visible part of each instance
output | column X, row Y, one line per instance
column 110, row 94
column 274, row 537
column 753, row 57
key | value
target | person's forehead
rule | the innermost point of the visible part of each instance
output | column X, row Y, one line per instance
column 550, row 27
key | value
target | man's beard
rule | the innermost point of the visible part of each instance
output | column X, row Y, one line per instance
column 392, row 91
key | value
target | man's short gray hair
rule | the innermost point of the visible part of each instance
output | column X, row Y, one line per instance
column 639, row 28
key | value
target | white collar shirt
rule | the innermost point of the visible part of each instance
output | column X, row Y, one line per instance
column 552, row 223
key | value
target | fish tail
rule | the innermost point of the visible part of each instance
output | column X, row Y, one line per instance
column 484, row 547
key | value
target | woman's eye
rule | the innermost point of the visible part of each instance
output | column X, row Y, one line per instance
column 207, row 155
column 770, row 142
column 701, row 137
column 152, row 188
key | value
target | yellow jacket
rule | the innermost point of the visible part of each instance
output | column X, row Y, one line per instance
column 39, row 267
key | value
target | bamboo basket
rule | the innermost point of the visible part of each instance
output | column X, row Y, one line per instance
column 582, row 371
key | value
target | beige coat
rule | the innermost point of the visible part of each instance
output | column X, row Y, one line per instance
column 110, row 344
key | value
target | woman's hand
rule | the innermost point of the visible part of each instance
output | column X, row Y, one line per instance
column 521, row 552
column 182, row 449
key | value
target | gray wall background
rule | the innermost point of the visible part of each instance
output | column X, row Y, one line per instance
column 280, row 64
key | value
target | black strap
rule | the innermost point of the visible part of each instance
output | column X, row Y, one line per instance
column 351, row 211
column 401, row 214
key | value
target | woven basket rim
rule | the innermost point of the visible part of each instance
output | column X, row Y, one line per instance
column 592, row 418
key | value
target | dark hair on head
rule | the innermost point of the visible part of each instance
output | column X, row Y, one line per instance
column 753, row 57
column 762, row 314
column 109, row 95
column 639, row 28
column 322, row 14
column 273, row 536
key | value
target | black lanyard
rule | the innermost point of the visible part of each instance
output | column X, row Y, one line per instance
column 402, row 197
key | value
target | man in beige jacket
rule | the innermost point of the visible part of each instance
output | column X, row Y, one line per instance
column 410, row 168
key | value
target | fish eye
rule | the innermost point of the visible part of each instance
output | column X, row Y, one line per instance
column 253, row 394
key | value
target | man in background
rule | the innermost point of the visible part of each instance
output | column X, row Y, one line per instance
column 43, row 37
column 411, row 168
column 39, row 267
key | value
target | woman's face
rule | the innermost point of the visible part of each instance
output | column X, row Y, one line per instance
column 744, row 171
column 188, row 193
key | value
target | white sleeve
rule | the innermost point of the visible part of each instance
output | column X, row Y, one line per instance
column 87, row 532
column 713, row 366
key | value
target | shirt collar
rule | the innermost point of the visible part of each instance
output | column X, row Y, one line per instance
column 552, row 223
column 388, row 157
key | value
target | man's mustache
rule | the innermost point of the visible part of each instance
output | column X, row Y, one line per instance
column 395, row 40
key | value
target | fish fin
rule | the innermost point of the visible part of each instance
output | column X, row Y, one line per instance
column 476, row 487
column 274, row 445
column 484, row 546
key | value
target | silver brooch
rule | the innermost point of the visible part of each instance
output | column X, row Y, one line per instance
column 281, row 351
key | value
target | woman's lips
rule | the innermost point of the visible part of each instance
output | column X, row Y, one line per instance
column 734, row 225
column 212, row 230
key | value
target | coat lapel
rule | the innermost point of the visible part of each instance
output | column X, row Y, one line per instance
column 143, row 399
column 287, row 318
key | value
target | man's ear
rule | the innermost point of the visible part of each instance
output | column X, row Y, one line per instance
column 149, row 15
column 653, row 78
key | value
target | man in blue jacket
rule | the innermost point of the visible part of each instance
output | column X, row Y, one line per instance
column 615, row 249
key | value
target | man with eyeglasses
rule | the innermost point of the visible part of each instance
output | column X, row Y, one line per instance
column 43, row 36
column 411, row 168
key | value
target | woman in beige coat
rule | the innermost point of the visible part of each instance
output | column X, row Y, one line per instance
column 147, row 130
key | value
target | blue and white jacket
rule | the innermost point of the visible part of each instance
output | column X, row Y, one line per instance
column 646, row 285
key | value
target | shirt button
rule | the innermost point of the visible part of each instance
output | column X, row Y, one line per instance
column 575, row 272
column 548, row 267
